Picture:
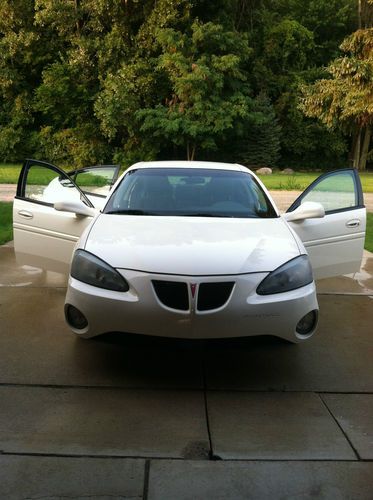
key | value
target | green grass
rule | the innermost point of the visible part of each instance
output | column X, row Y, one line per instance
column 9, row 173
column 294, row 182
column 6, row 220
column 369, row 236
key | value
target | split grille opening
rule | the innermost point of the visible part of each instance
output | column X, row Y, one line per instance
column 213, row 295
column 174, row 294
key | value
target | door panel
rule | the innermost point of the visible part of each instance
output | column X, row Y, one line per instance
column 332, row 246
column 334, row 243
column 43, row 236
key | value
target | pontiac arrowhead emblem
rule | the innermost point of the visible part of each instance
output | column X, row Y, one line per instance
column 193, row 287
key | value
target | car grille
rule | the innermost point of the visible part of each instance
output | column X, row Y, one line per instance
column 173, row 294
column 213, row 295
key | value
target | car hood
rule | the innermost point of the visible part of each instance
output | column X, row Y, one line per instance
column 191, row 245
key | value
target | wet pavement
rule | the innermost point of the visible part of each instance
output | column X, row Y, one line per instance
column 7, row 192
column 134, row 417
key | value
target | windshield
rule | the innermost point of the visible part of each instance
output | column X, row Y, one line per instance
column 192, row 192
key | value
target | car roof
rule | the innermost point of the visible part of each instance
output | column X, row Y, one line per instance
column 191, row 164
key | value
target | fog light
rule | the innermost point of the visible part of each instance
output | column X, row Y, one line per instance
column 307, row 323
column 75, row 318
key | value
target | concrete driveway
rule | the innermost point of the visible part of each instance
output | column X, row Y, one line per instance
column 133, row 417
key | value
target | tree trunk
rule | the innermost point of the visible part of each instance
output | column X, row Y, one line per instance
column 365, row 14
column 355, row 149
column 191, row 151
column 365, row 149
column 77, row 24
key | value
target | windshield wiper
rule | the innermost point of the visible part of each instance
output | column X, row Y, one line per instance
column 130, row 211
column 203, row 214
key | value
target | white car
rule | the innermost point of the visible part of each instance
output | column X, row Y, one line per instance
column 187, row 249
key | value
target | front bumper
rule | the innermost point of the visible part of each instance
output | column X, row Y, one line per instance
column 139, row 310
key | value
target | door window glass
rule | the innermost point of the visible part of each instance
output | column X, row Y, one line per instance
column 97, row 181
column 45, row 185
column 335, row 192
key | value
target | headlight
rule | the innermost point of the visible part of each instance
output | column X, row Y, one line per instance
column 294, row 274
column 90, row 269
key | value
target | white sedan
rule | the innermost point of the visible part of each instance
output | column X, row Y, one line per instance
column 187, row 249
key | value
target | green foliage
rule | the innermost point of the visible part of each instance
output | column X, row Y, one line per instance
column 79, row 146
column 132, row 87
column 288, row 46
column 345, row 100
column 207, row 92
column 137, row 83
column 305, row 141
column 90, row 81
column 328, row 21
column 260, row 141
column 19, row 61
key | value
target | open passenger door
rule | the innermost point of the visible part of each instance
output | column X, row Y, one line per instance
column 43, row 236
column 335, row 243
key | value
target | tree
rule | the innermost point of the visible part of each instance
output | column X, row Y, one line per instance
column 286, row 56
column 259, row 144
column 345, row 100
column 22, row 56
column 307, row 142
column 94, row 37
column 207, row 87
column 138, row 83
column 87, row 81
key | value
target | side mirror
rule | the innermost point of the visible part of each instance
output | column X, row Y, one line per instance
column 76, row 207
column 307, row 210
